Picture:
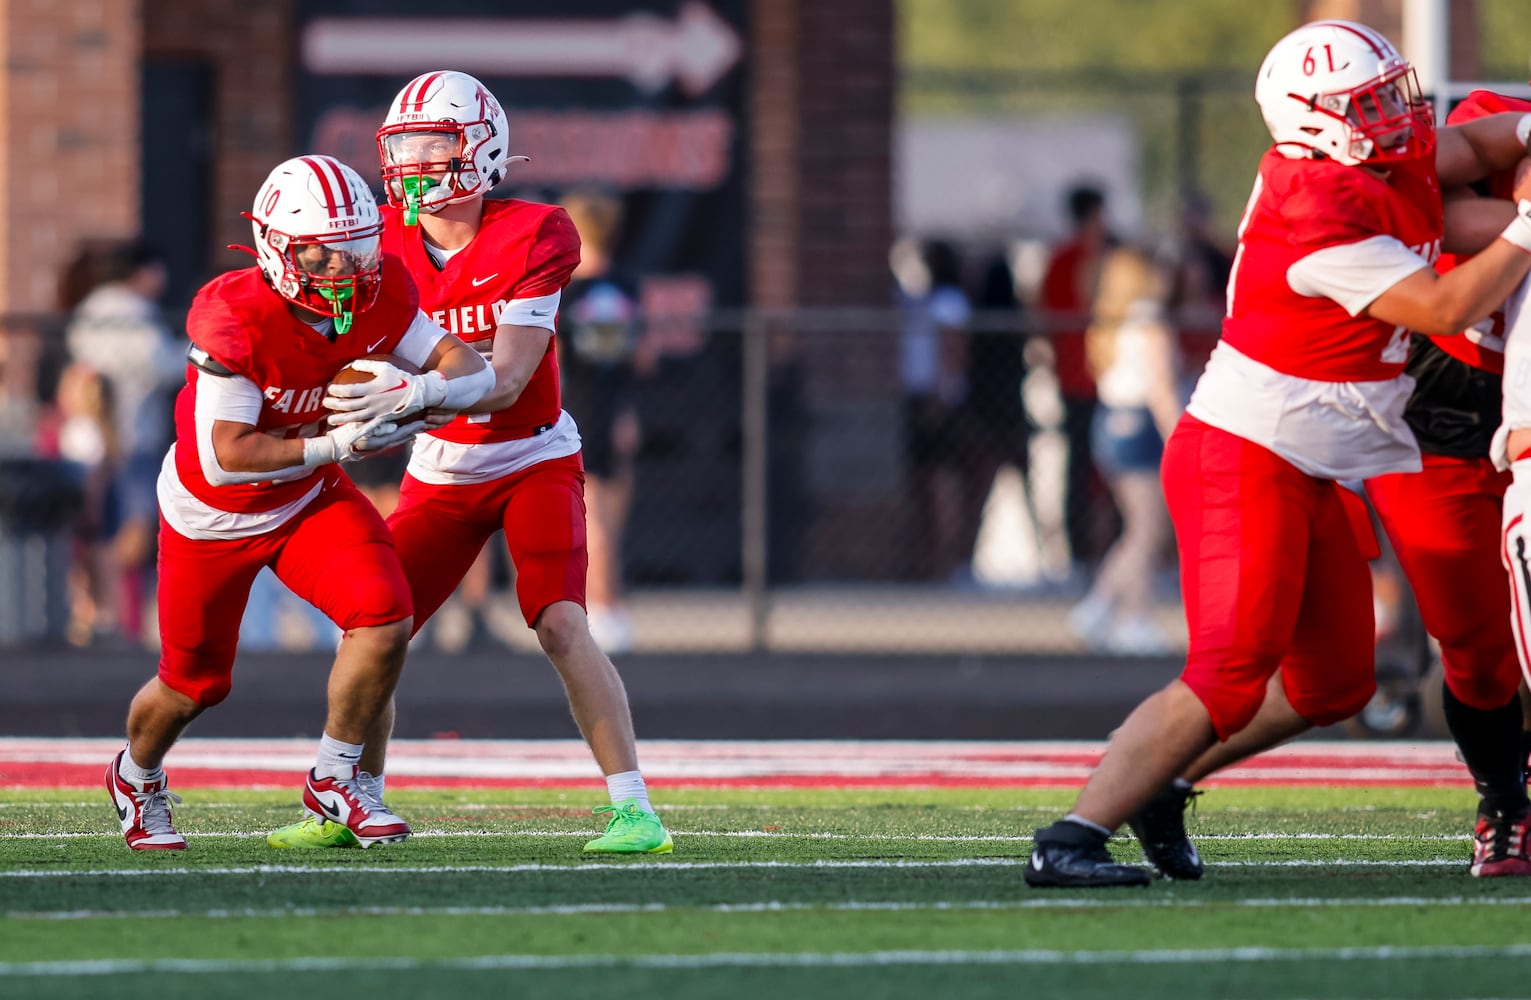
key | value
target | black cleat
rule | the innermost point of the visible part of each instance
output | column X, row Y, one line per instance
column 1070, row 856
column 1160, row 829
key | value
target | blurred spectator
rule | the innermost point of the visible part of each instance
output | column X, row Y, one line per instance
column 84, row 436
column 1068, row 288
column 597, row 334
column 1198, row 286
column 118, row 331
column 933, row 367
column 1135, row 358
column 995, row 428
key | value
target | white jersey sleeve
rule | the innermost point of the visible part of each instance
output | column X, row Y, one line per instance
column 1354, row 274
column 238, row 400
column 420, row 339
column 538, row 310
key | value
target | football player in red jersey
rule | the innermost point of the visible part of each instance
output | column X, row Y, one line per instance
column 1305, row 388
column 1444, row 524
column 254, row 480
column 491, row 271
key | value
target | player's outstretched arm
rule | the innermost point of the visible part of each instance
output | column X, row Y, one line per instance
column 1472, row 150
column 517, row 352
column 1474, row 222
column 1444, row 304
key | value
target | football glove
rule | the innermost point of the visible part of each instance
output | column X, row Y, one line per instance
column 391, row 392
column 356, row 440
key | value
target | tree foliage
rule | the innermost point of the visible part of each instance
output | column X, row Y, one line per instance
column 1030, row 35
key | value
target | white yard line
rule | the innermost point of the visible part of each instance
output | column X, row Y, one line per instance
column 1033, row 957
column 652, row 866
column 438, row 833
column 776, row 906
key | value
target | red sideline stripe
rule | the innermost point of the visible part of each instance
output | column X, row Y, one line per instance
column 90, row 776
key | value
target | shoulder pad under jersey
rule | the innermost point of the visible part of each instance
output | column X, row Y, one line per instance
column 206, row 362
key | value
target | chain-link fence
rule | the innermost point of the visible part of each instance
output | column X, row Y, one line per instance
column 779, row 498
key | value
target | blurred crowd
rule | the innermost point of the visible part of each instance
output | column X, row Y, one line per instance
column 1083, row 351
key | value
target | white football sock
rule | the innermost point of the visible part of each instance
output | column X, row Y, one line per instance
column 337, row 759
column 626, row 785
column 130, row 769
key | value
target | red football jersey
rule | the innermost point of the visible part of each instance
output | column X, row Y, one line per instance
column 523, row 250
column 244, row 325
column 1490, row 357
column 1298, row 207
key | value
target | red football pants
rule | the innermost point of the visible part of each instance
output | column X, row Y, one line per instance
column 440, row 530
column 1273, row 577
column 335, row 554
column 1444, row 523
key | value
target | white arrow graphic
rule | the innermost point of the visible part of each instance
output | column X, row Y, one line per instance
column 696, row 48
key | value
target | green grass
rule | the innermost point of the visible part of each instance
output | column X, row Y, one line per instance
column 1357, row 892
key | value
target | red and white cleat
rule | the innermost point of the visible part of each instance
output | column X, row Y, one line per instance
column 344, row 801
column 1499, row 846
column 144, row 811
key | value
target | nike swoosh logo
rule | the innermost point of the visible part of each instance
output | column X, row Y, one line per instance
column 122, row 813
column 544, row 312
column 402, row 384
column 1036, row 861
column 479, row 281
column 330, row 809
column 374, row 346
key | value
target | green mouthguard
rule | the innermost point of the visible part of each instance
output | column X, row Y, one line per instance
column 342, row 316
column 415, row 188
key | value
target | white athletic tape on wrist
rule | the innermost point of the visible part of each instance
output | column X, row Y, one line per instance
column 1518, row 231
column 318, row 451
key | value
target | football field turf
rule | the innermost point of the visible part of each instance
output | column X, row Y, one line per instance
column 893, row 891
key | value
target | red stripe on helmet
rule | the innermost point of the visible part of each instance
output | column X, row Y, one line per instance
column 419, row 92
column 324, row 183
column 343, row 184
column 1378, row 44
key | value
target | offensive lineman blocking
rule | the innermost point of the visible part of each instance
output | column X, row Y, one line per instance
column 1444, row 523
column 1305, row 388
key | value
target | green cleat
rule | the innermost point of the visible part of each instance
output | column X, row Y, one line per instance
column 310, row 833
column 630, row 831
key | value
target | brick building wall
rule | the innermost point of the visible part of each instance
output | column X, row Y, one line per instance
column 251, row 48
column 821, row 189
column 69, row 113
column 69, row 116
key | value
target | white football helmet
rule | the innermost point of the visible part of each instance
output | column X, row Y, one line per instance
column 318, row 237
column 1340, row 90
column 444, row 141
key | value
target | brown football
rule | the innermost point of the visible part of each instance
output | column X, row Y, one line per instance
column 351, row 376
